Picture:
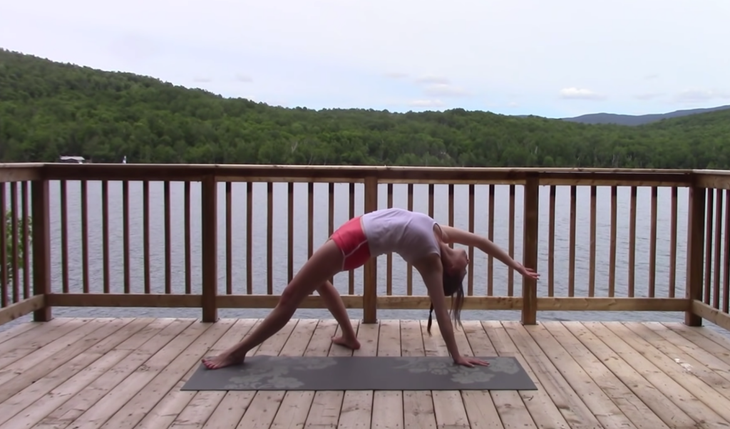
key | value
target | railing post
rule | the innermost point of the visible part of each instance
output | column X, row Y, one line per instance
column 209, row 218
column 529, row 253
column 695, row 250
column 41, row 246
column 370, row 280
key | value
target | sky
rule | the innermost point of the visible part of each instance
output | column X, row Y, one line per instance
column 553, row 58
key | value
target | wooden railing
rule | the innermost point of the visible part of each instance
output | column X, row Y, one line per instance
column 94, row 236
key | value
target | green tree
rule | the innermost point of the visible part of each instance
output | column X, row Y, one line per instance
column 7, row 266
column 48, row 109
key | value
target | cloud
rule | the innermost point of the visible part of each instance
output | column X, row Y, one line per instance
column 579, row 94
column 396, row 75
column 202, row 79
column 133, row 48
column 648, row 96
column 240, row 77
column 444, row 90
column 437, row 80
column 696, row 95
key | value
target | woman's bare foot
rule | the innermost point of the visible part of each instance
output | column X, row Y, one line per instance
column 350, row 343
column 221, row 361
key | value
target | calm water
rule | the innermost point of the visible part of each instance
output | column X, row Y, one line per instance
column 341, row 213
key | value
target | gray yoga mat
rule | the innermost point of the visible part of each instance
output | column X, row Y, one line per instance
column 362, row 373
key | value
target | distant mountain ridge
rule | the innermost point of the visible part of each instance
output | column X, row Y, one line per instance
column 634, row 120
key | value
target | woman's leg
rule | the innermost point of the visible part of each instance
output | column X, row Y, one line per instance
column 324, row 263
column 334, row 304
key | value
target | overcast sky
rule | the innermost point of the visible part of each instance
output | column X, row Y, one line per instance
column 553, row 58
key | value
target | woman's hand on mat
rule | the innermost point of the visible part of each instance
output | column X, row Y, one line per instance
column 470, row 361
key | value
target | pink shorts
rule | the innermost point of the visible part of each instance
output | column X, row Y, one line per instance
column 352, row 242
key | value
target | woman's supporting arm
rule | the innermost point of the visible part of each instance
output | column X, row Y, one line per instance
column 431, row 271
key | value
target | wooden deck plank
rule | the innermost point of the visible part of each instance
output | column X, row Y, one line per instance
column 388, row 405
column 448, row 405
column 610, row 385
column 691, row 363
column 34, row 391
column 702, row 341
column 190, row 409
column 418, row 409
column 357, row 406
column 580, row 381
column 19, row 347
column 632, row 378
column 693, row 385
column 22, row 328
column 227, row 414
column 327, row 405
column 38, row 364
column 69, row 388
column 496, row 409
column 718, row 338
column 295, row 406
column 712, row 361
column 127, row 373
column 106, row 389
column 682, row 399
column 576, row 413
column 264, row 405
column 544, row 412
column 160, row 376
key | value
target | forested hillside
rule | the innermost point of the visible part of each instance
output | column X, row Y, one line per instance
column 48, row 109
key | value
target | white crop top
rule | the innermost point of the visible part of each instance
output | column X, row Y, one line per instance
column 409, row 234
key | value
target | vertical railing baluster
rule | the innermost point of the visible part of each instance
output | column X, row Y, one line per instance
column 612, row 257
column 632, row 243
column 64, row 237
column 105, row 234
column 209, row 220
column 229, row 238
column 125, row 231
column 592, row 260
column 370, row 287
column 551, row 244
column 41, row 246
column 270, row 238
column 571, row 250
column 695, row 251
column 673, row 245
column 511, row 243
column 531, row 206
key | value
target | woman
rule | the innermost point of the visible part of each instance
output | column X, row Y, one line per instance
column 416, row 237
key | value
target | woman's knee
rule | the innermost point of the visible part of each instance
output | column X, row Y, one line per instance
column 290, row 298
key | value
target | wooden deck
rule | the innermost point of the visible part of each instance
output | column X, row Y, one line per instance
column 127, row 373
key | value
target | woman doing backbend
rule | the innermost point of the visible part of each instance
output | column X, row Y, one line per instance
column 416, row 237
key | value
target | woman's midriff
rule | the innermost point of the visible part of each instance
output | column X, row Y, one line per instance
column 351, row 240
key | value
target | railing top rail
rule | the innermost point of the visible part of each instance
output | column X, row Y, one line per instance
column 20, row 171
column 212, row 168
column 710, row 172
column 357, row 173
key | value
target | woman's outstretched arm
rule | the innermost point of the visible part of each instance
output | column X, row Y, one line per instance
column 459, row 236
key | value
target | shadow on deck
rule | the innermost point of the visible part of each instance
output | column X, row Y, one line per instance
column 127, row 373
